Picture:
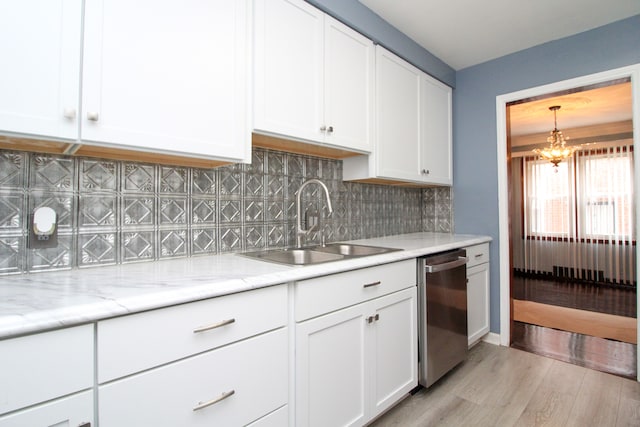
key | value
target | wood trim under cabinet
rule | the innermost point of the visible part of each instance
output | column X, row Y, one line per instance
column 72, row 148
column 296, row 147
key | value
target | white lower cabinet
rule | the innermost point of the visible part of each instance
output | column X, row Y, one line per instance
column 230, row 386
column 75, row 410
column 46, row 378
column 354, row 363
column 477, row 292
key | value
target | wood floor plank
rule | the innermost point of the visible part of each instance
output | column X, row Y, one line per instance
column 551, row 404
column 602, row 325
column 517, row 381
column 510, row 387
column 597, row 402
column 629, row 408
column 614, row 357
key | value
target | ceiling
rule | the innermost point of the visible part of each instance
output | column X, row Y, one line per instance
column 583, row 108
column 463, row 33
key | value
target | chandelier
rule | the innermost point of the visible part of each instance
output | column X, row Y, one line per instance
column 556, row 151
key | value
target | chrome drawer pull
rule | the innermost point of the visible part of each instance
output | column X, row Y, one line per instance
column 223, row 396
column 213, row 326
column 368, row 285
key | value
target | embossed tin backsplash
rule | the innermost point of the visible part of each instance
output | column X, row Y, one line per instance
column 112, row 212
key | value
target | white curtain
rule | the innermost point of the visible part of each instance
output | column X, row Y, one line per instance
column 578, row 217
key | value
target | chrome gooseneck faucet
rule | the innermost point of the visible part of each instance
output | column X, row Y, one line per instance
column 300, row 232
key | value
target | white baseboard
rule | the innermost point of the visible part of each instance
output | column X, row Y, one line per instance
column 492, row 338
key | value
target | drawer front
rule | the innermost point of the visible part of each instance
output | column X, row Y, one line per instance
column 142, row 341
column 75, row 410
column 477, row 254
column 44, row 366
column 255, row 370
column 321, row 295
column 277, row 418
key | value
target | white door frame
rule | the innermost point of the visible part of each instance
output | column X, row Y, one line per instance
column 632, row 71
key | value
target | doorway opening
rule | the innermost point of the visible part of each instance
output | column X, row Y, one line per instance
column 568, row 277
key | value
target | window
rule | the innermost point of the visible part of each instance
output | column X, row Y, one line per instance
column 589, row 196
column 606, row 187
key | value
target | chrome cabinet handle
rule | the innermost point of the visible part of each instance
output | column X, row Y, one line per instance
column 93, row 116
column 330, row 129
column 323, row 128
column 368, row 285
column 213, row 326
column 425, row 171
column 223, row 396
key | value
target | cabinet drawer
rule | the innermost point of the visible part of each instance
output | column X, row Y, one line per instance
column 277, row 418
column 44, row 366
column 75, row 410
column 137, row 342
column 321, row 295
column 256, row 370
column 477, row 254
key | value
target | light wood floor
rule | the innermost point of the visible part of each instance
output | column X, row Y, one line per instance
column 501, row 386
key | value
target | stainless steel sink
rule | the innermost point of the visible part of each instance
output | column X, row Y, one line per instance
column 351, row 250
column 317, row 254
column 305, row 256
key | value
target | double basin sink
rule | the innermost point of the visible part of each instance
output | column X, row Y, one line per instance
column 317, row 254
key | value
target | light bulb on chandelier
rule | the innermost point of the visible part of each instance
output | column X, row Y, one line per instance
column 557, row 150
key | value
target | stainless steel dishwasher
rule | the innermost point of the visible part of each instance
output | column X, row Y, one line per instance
column 442, row 314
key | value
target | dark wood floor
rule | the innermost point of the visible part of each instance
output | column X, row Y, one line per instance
column 613, row 357
column 603, row 299
column 601, row 354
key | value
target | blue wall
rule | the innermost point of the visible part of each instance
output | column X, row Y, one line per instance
column 475, row 154
column 357, row 16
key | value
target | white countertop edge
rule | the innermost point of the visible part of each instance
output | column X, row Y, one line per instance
column 76, row 313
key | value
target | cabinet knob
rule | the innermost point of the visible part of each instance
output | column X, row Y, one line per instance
column 330, row 129
column 425, row 171
column 69, row 113
column 323, row 128
column 93, row 116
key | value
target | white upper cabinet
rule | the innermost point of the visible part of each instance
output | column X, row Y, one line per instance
column 40, row 43
column 313, row 76
column 167, row 76
column 435, row 132
column 163, row 77
column 399, row 115
column 349, row 87
column 413, row 127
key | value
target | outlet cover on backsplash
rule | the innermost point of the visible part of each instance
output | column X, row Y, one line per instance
column 112, row 212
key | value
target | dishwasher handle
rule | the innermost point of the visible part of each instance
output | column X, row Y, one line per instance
column 435, row 268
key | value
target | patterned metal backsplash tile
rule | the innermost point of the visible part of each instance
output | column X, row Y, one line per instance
column 113, row 212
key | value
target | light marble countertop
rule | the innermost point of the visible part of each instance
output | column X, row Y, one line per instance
column 42, row 301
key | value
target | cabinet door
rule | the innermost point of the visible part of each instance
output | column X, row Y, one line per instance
column 255, row 370
column 40, row 367
column 349, row 86
column 167, row 76
column 40, row 78
column 330, row 369
column 398, row 117
column 394, row 344
column 477, row 302
column 288, row 69
column 75, row 410
column 435, row 132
